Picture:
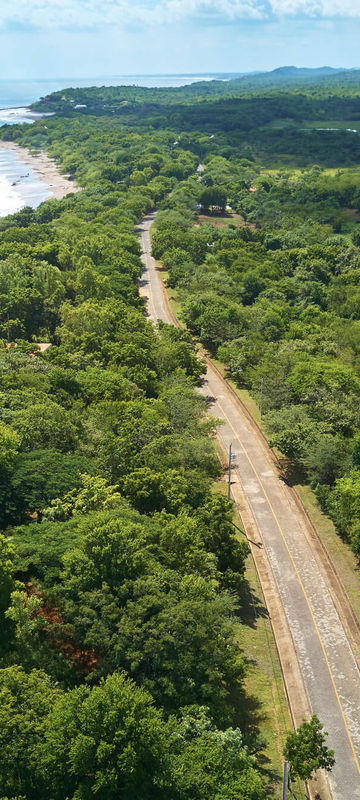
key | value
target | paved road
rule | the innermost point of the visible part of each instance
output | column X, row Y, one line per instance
column 328, row 667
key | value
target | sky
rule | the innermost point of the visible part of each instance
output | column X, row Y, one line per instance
column 64, row 38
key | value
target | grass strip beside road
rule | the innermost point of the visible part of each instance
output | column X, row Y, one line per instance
column 263, row 683
column 347, row 565
column 172, row 295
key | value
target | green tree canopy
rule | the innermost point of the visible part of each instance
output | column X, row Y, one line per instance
column 306, row 750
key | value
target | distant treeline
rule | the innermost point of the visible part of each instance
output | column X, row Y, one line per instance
column 315, row 83
column 266, row 124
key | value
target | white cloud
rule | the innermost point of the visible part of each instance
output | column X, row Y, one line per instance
column 291, row 7
column 225, row 9
column 325, row 9
column 86, row 13
column 77, row 14
column 61, row 13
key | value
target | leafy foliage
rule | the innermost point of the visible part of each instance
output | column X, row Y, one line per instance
column 306, row 750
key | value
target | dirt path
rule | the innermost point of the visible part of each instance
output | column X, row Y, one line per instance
column 319, row 667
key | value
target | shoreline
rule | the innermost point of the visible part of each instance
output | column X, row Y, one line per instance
column 34, row 115
column 45, row 168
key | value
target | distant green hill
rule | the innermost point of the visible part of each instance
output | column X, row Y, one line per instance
column 323, row 81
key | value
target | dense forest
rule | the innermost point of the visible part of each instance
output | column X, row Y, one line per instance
column 121, row 577
column 120, row 572
column 287, row 114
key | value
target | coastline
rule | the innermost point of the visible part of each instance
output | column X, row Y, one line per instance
column 45, row 168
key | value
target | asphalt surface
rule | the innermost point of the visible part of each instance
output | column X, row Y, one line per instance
column 330, row 673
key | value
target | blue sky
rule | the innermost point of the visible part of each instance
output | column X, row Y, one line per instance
column 61, row 38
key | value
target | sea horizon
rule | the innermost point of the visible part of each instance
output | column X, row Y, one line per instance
column 17, row 93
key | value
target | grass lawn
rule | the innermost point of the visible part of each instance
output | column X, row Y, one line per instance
column 340, row 124
column 294, row 171
column 222, row 222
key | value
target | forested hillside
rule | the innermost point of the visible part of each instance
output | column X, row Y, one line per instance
column 285, row 116
column 121, row 674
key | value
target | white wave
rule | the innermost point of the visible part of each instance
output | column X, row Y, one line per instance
column 19, row 184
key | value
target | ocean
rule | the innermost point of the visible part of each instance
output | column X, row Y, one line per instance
column 19, row 184
column 21, row 93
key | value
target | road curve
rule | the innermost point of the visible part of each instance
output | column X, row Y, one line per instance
column 329, row 670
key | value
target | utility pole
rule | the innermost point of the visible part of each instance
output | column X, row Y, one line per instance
column 229, row 476
column 232, row 457
column 261, row 394
column 285, row 780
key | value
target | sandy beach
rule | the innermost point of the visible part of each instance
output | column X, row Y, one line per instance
column 45, row 168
